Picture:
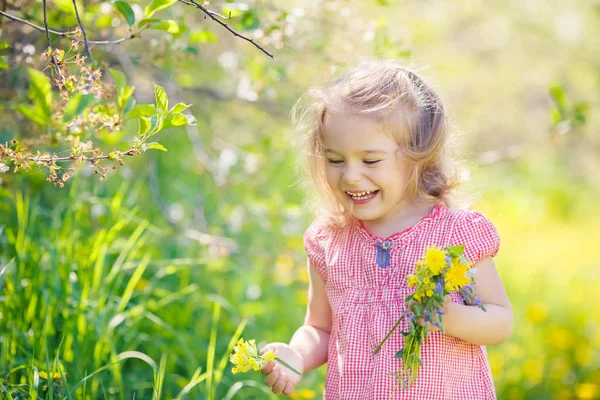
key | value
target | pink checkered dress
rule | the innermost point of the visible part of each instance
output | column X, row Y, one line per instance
column 367, row 299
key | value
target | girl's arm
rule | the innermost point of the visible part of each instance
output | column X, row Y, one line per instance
column 308, row 348
column 312, row 339
column 474, row 325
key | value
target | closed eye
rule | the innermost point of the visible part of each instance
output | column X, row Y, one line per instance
column 371, row 162
column 334, row 161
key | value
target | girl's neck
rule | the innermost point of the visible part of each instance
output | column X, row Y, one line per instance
column 404, row 217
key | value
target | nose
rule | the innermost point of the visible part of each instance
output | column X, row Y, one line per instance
column 352, row 174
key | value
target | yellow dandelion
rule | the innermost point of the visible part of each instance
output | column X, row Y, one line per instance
column 456, row 277
column 429, row 292
column 435, row 259
column 426, row 280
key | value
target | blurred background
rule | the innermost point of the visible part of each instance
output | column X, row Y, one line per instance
column 138, row 286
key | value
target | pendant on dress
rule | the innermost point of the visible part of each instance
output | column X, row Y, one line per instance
column 383, row 254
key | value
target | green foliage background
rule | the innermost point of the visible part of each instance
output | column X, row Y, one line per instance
column 115, row 278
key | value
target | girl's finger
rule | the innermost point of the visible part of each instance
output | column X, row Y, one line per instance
column 268, row 367
column 265, row 349
column 280, row 384
column 272, row 377
column 288, row 389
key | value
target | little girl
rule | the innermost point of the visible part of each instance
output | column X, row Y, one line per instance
column 377, row 153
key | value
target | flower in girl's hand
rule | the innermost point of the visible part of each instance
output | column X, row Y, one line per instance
column 245, row 357
column 441, row 271
column 435, row 259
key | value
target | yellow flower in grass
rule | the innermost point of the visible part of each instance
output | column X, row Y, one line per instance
column 245, row 357
column 435, row 259
column 456, row 277
column 55, row 375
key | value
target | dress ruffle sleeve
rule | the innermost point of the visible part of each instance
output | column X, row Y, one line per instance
column 479, row 236
column 314, row 244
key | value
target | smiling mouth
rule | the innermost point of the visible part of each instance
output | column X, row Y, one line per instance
column 365, row 195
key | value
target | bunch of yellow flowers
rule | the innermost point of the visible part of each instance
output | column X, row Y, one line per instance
column 245, row 357
column 438, row 273
column 439, row 267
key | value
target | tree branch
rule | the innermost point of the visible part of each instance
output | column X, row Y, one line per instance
column 67, row 35
column 58, row 70
column 215, row 17
column 85, row 41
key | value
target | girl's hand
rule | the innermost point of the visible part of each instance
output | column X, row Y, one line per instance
column 278, row 377
column 433, row 328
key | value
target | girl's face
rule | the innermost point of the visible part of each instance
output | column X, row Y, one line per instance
column 364, row 167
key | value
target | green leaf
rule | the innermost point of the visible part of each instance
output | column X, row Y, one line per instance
column 192, row 50
column 3, row 63
column 158, row 126
column 203, row 36
column 33, row 113
column 40, row 90
column 140, row 110
column 157, row 5
column 77, row 104
column 559, row 97
column 175, row 120
column 580, row 111
column 555, row 115
column 249, row 21
column 145, row 124
column 124, row 95
column 119, row 78
column 170, row 26
column 162, row 101
column 148, row 21
column 399, row 354
column 4, row 48
column 156, row 146
column 179, row 120
column 179, row 107
column 456, row 251
column 129, row 105
column 418, row 309
column 125, row 9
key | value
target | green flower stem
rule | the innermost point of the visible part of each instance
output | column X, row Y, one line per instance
column 389, row 334
column 287, row 365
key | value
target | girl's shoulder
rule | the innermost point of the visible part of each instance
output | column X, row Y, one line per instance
column 323, row 228
column 463, row 216
column 473, row 230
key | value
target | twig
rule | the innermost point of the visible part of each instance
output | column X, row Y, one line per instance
column 93, row 160
column 214, row 17
column 85, row 41
column 58, row 70
column 216, row 14
column 67, row 35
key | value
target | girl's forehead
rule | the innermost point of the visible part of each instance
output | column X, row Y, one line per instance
column 346, row 133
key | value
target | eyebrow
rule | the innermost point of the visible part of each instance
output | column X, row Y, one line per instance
column 371, row 151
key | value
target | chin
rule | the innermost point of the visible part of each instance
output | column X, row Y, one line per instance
column 365, row 215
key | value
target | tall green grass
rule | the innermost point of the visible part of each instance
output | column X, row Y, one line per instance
column 93, row 310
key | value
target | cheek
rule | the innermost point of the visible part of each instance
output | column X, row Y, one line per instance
column 332, row 175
